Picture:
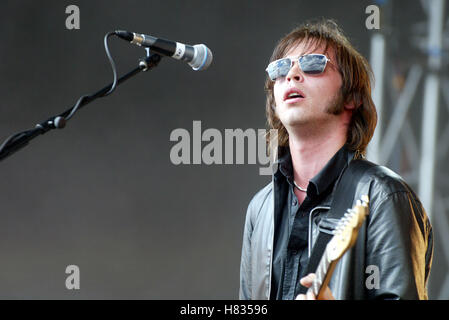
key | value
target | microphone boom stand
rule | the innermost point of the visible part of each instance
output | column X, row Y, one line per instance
column 20, row 140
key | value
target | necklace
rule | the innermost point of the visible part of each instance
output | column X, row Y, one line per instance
column 299, row 188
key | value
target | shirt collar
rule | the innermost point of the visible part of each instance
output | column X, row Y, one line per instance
column 325, row 178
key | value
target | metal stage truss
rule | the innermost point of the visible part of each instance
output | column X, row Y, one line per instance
column 412, row 99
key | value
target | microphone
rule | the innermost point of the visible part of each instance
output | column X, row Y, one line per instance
column 199, row 57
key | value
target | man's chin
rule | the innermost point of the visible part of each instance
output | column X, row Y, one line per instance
column 291, row 119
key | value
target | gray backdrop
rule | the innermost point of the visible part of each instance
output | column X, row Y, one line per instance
column 103, row 194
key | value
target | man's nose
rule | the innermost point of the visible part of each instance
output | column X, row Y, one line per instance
column 295, row 73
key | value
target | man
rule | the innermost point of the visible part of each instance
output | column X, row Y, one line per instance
column 319, row 99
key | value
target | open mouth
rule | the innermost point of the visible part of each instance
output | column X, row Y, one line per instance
column 293, row 95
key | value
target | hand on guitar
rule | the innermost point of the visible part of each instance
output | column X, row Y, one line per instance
column 307, row 282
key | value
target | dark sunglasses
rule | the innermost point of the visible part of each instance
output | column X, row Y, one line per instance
column 309, row 63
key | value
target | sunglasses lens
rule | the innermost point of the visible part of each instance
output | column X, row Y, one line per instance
column 279, row 68
column 313, row 63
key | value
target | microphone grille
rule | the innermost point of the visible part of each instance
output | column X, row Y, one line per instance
column 202, row 59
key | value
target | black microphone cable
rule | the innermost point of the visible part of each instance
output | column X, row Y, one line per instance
column 114, row 83
column 60, row 121
column 19, row 140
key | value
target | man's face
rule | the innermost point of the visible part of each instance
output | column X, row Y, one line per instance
column 321, row 93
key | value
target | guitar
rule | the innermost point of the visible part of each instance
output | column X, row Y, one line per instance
column 344, row 238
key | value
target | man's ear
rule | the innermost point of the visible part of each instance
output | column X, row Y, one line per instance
column 350, row 105
column 353, row 104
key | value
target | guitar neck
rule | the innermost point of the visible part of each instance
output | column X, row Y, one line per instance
column 323, row 274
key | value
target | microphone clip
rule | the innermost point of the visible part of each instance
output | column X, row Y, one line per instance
column 150, row 61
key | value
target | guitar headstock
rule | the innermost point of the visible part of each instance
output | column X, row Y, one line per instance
column 345, row 233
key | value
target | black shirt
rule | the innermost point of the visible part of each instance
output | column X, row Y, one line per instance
column 291, row 231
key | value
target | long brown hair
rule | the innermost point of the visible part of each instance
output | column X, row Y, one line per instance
column 355, row 72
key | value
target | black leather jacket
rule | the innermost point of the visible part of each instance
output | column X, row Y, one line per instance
column 396, row 239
